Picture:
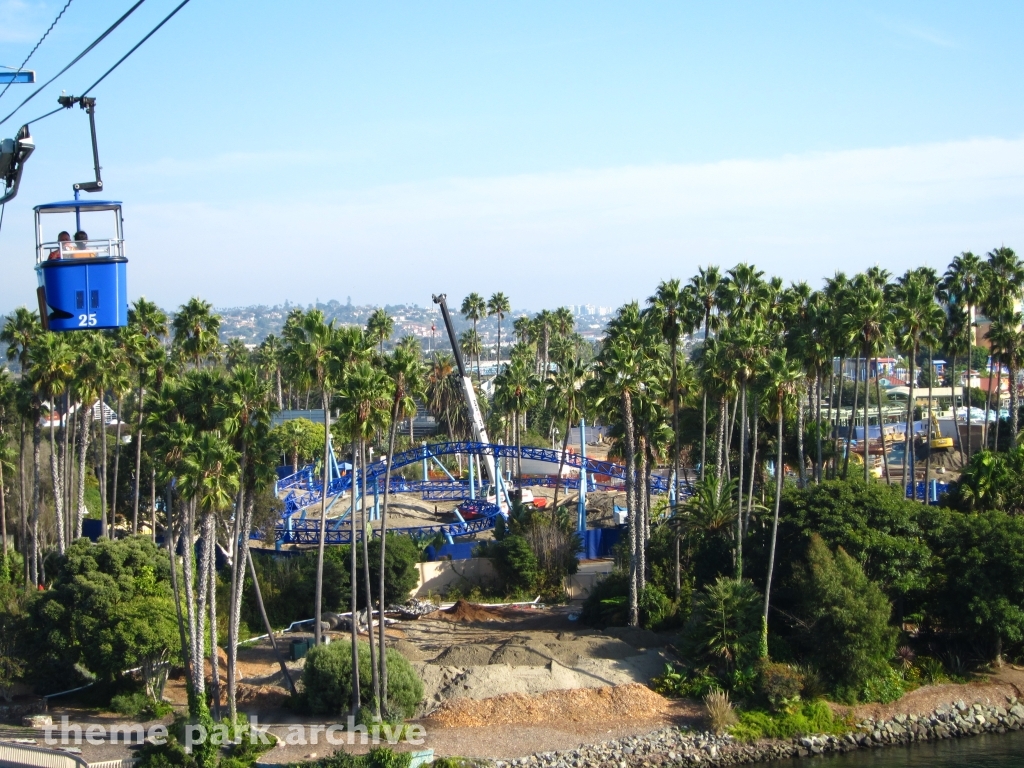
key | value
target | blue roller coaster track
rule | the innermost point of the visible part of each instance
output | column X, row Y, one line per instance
column 305, row 491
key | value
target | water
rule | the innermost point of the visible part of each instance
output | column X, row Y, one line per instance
column 989, row 751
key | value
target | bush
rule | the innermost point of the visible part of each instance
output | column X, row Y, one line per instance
column 847, row 638
column 883, row 688
column 327, row 680
column 726, row 625
column 516, row 563
column 812, row 718
column 720, row 713
column 607, row 605
column 655, row 607
column 678, row 683
column 781, row 684
column 138, row 704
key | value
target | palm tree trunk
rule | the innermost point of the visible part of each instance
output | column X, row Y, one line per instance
column 775, row 520
column 739, row 476
column 266, row 624
column 3, row 516
column 967, row 381
column 353, row 581
column 383, row 545
column 703, row 433
column 238, row 546
column 753, row 470
column 675, row 419
column 22, row 505
column 109, row 532
column 58, row 490
column 172, row 554
column 374, row 675
column 908, row 438
column 85, row 432
column 988, row 404
column 1014, row 405
column 817, row 418
column 325, row 479
column 211, row 560
column 280, row 393
column 561, row 464
column 799, row 434
column 152, row 506
column 836, row 435
column 881, row 431
column 851, row 425
column 627, row 417
column 641, row 513
column 117, row 463
column 723, row 414
column 999, row 398
column 956, row 415
column 138, row 462
column 928, row 429
column 867, row 401
column 67, row 467
column 497, row 365
column 37, row 501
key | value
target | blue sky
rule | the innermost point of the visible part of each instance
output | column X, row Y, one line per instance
column 561, row 152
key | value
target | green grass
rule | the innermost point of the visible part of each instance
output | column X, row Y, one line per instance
column 811, row 718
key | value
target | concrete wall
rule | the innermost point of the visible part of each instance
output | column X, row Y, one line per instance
column 437, row 577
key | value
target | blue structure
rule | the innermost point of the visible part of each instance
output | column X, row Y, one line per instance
column 305, row 491
column 83, row 283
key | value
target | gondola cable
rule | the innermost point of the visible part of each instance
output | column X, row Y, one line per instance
column 117, row 64
column 36, row 48
column 75, row 60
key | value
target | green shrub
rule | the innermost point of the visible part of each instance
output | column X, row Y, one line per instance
column 607, row 604
column 781, row 684
column 139, row 704
column 848, row 638
column 516, row 563
column 812, row 718
column 883, row 688
column 377, row 757
column 679, row 683
column 655, row 607
column 725, row 628
column 327, row 680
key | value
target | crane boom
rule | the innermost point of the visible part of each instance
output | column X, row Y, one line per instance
column 476, row 419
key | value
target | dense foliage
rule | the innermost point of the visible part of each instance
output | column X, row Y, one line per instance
column 327, row 680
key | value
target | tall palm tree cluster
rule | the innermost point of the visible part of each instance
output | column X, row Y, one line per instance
column 704, row 374
column 193, row 422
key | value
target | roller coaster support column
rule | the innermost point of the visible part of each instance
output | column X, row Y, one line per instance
column 472, row 484
column 425, row 478
column 581, row 505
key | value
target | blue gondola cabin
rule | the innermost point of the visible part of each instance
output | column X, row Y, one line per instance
column 81, row 281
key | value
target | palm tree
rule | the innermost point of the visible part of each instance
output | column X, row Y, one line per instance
column 567, row 395
column 268, row 358
column 314, row 340
column 51, row 363
column 246, row 413
column 678, row 315
column 964, row 283
column 209, row 479
column 365, row 394
column 408, row 378
column 515, row 390
column 869, row 315
column 235, row 354
column 917, row 316
column 379, row 327
column 196, row 328
column 703, row 290
column 444, row 395
column 469, row 340
column 1005, row 277
column 147, row 325
column 498, row 306
column 784, row 380
column 474, row 308
column 18, row 331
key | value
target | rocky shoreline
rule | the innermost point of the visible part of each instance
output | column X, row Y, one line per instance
column 676, row 747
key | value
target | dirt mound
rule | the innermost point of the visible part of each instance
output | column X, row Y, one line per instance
column 465, row 656
column 466, row 612
column 260, row 697
column 633, row 702
column 523, row 652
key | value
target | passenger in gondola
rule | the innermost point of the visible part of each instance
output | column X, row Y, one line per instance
column 62, row 238
column 81, row 239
